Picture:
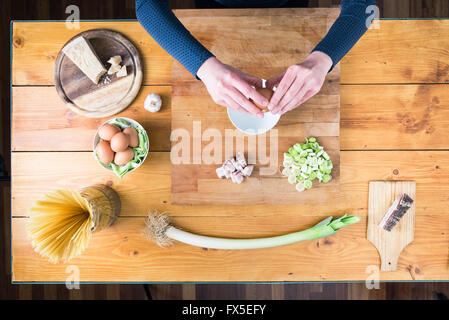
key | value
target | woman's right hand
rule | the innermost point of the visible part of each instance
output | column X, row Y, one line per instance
column 231, row 88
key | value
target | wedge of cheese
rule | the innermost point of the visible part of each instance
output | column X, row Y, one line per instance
column 84, row 57
column 114, row 69
column 122, row 72
column 115, row 60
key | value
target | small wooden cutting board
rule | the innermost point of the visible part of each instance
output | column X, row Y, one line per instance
column 111, row 95
column 390, row 243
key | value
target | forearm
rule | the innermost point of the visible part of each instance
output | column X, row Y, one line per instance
column 160, row 22
column 347, row 29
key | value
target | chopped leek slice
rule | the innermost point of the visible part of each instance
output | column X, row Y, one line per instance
column 300, row 187
column 286, row 172
column 287, row 163
column 297, row 147
column 307, row 184
column 292, row 179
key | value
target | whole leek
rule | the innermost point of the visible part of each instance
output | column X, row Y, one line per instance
column 163, row 233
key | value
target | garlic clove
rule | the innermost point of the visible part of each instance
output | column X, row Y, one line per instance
column 153, row 102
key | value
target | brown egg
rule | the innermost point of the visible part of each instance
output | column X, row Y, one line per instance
column 104, row 152
column 123, row 157
column 119, row 142
column 133, row 136
column 267, row 93
column 107, row 131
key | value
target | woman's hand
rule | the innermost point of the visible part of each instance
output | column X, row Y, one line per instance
column 299, row 83
column 230, row 87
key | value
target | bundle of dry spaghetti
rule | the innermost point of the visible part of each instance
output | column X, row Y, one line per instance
column 61, row 225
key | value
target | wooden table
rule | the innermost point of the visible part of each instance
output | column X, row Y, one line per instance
column 394, row 125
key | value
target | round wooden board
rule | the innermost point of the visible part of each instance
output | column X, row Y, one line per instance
column 106, row 98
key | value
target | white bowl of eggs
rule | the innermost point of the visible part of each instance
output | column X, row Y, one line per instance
column 121, row 145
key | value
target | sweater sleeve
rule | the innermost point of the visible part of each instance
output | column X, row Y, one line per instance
column 347, row 29
column 165, row 28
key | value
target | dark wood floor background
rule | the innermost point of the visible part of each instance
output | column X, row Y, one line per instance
column 97, row 9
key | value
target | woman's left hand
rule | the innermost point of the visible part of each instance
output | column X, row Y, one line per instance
column 299, row 83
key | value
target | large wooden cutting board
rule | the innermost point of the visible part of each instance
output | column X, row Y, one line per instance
column 262, row 46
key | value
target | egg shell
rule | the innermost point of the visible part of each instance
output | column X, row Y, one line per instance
column 123, row 157
column 119, row 142
column 107, row 131
column 104, row 152
column 267, row 93
column 133, row 136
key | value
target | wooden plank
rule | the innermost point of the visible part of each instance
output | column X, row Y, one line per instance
column 36, row 46
column 197, row 183
column 394, row 117
column 396, row 8
column 144, row 190
column 400, row 51
column 149, row 187
column 390, row 244
column 122, row 253
column 413, row 9
column 411, row 116
column 151, row 182
column 41, row 121
column 381, row 56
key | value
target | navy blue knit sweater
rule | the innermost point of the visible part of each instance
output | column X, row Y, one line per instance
column 160, row 22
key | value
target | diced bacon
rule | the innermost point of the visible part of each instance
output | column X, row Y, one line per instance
column 240, row 157
column 233, row 177
column 248, row 170
column 236, row 165
column 396, row 212
column 221, row 172
column 235, row 168
column 228, row 166
column 237, row 177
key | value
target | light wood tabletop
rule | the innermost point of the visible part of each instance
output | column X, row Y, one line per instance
column 394, row 125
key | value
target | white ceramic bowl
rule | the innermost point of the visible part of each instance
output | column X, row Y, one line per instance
column 250, row 124
column 136, row 124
